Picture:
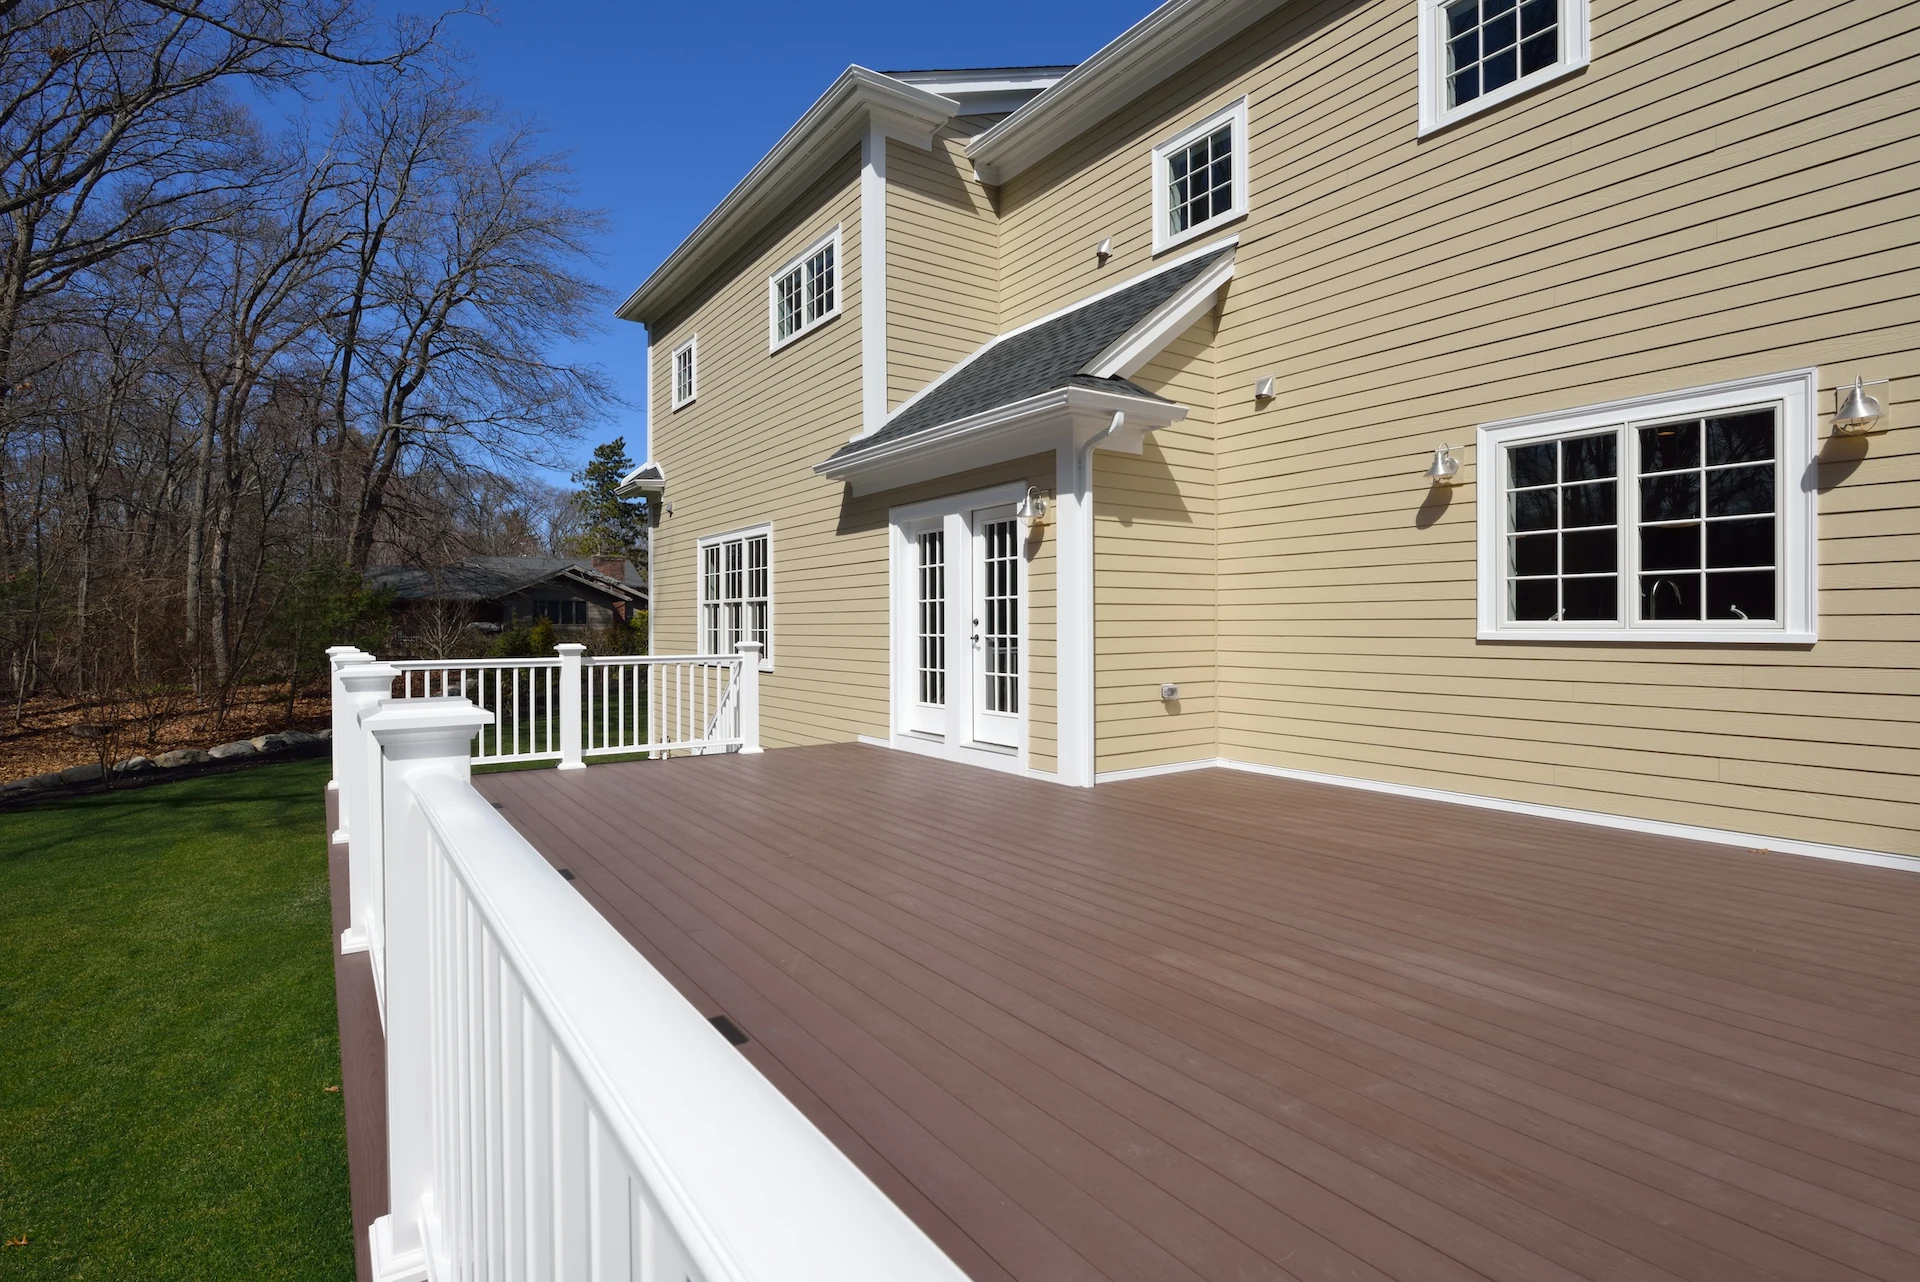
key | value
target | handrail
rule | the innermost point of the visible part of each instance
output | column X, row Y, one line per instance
column 434, row 665
column 751, row 1190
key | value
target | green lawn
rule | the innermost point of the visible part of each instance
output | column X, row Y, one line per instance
column 167, row 1035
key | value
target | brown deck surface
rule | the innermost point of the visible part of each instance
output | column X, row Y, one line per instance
column 1216, row 1025
column 363, row 1053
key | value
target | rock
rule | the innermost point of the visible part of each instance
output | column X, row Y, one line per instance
column 298, row 738
column 182, row 757
column 228, row 751
column 132, row 765
column 49, row 780
column 12, row 786
column 81, row 774
column 325, row 735
column 269, row 742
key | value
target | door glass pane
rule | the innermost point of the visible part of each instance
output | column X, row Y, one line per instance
column 931, row 625
column 1000, row 617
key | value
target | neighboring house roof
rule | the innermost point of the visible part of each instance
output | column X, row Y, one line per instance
column 488, row 578
column 1059, row 352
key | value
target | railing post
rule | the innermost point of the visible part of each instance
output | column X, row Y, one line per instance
column 572, row 729
column 363, row 684
column 748, row 701
column 338, row 657
column 409, row 739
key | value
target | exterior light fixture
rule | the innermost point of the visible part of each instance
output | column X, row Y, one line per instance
column 1857, row 411
column 1263, row 388
column 1033, row 509
column 1445, row 468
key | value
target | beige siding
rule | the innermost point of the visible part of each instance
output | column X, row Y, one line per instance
column 943, row 262
column 1155, row 610
column 1727, row 191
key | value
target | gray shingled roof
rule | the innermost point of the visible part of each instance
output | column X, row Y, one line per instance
column 1045, row 358
column 487, row 578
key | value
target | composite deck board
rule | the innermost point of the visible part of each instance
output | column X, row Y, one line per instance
column 1217, row 1025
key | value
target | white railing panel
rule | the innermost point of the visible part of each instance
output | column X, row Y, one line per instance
column 523, row 695
column 587, row 1121
column 659, row 704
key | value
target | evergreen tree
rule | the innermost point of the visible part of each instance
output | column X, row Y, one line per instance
column 612, row 525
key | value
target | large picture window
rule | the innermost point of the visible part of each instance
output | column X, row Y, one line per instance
column 1200, row 177
column 805, row 292
column 1676, row 518
column 1476, row 53
column 736, row 573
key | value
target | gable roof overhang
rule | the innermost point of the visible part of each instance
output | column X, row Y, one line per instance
column 837, row 120
column 648, row 481
column 1070, row 416
column 1144, row 55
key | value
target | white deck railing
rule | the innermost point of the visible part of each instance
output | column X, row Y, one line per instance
column 571, row 706
column 555, row 1108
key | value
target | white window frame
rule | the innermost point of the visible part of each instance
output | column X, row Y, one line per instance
column 700, row 583
column 1793, row 393
column 798, row 263
column 1575, row 52
column 691, row 349
column 1163, row 237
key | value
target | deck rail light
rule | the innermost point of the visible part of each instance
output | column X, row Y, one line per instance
column 1857, row 411
column 1445, row 468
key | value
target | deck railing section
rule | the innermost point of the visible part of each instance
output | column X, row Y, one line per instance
column 572, row 706
column 555, row 1108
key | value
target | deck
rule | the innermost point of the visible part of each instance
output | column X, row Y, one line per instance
column 1217, row 1025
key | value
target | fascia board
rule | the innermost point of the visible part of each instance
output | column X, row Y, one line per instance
column 833, row 122
column 1141, row 57
column 1131, row 352
column 639, row 482
column 1021, row 417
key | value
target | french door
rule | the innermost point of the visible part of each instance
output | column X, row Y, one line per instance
column 962, row 580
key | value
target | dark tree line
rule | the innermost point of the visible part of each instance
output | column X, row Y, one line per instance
column 242, row 358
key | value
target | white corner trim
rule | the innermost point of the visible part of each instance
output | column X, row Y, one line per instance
column 1225, row 242
column 1797, row 394
column 1435, row 114
column 1135, row 349
column 1594, row 818
column 353, row 940
column 1154, row 772
column 1234, row 113
column 873, row 279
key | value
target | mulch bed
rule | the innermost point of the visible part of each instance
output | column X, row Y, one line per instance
column 45, row 741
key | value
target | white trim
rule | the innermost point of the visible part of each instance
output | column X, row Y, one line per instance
column 700, row 546
column 798, row 263
column 1154, row 772
column 1235, row 114
column 1159, row 46
column 1795, row 392
column 873, row 278
column 692, row 348
column 1128, row 354
column 1594, row 818
column 1435, row 114
column 818, row 138
column 1227, row 242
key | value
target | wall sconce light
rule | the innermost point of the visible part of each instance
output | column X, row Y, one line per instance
column 1855, row 411
column 1263, row 388
column 1104, row 250
column 1445, row 468
column 1033, row 509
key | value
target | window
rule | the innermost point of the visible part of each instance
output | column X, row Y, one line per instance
column 735, row 592
column 686, row 372
column 1200, row 177
column 804, row 293
column 1475, row 53
column 1681, row 518
column 565, row 613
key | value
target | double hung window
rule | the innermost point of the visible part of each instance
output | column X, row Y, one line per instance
column 805, row 292
column 686, row 372
column 736, row 592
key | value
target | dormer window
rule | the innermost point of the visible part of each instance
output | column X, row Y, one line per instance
column 1476, row 53
column 686, row 372
column 804, row 293
column 1200, row 177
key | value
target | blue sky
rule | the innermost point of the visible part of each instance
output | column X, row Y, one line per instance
column 665, row 107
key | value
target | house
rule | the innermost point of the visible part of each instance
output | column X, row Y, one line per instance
column 1080, row 422
column 494, row 591
column 1313, row 584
